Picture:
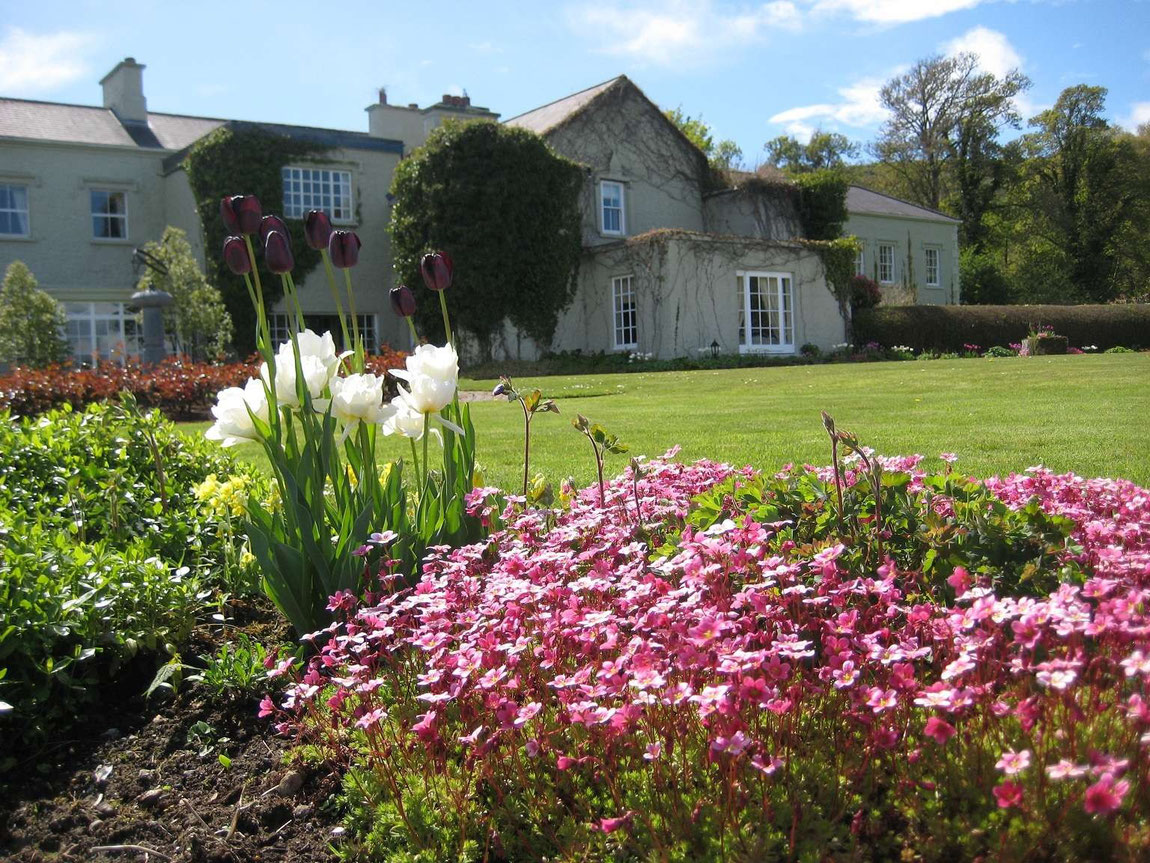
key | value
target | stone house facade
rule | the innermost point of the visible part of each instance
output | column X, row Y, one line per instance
column 672, row 264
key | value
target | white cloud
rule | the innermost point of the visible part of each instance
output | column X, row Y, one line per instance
column 859, row 107
column 894, row 11
column 677, row 33
column 1139, row 114
column 31, row 63
column 995, row 53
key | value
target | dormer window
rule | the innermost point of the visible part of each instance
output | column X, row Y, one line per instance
column 611, row 208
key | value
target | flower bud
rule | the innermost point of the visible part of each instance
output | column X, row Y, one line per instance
column 236, row 256
column 317, row 228
column 241, row 213
column 277, row 253
column 273, row 223
column 436, row 269
column 402, row 301
column 343, row 247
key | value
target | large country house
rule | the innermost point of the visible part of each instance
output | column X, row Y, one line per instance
column 672, row 265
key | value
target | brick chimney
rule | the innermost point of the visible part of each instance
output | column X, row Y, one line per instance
column 124, row 91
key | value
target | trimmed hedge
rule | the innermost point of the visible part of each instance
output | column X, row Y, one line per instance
column 949, row 328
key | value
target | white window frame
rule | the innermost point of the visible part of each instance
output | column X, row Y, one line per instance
column 108, row 216
column 16, row 212
column 784, row 310
column 280, row 323
column 624, row 318
column 936, row 252
column 127, row 347
column 879, row 263
column 860, row 261
column 621, row 209
column 312, row 187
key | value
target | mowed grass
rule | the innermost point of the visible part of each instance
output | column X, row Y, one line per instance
column 1087, row 414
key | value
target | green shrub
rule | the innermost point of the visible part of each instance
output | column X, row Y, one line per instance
column 106, row 553
column 31, row 321
column 999, row 351
column 948, row 328
column 1118, row 349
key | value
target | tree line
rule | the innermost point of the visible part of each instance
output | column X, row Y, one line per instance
column 1058, row 214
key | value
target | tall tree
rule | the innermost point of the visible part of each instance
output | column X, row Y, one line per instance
column 722, row 156
column 1080, row 190
column 31, row 321
column 825, row 150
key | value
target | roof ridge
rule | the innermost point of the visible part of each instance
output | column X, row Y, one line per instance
column 564, row 98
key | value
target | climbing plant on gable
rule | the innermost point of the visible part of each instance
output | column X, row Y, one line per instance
column 250, row 161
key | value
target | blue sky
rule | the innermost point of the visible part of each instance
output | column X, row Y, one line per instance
column 752, row 70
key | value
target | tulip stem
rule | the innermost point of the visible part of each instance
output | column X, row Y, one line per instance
column 262, row 318
column 526, row 442
column 446, row 322
column 359, row 363
column 414, row 455
column 347, row 342
column 426, row 432
column 414, row 334
column 289, row 289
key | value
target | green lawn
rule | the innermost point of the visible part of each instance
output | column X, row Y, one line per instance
column 1088, row 414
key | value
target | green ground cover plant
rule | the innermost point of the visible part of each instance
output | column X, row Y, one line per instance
column 1081, row 413
column 107, row 552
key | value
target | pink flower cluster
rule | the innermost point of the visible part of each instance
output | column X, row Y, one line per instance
column 740, row 659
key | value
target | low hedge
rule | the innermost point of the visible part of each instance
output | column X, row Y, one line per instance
column 949, row 328
column 180, row 390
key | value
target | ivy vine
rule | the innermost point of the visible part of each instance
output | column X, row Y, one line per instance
column 240, row 161
column 822, row 204
column 838, row 260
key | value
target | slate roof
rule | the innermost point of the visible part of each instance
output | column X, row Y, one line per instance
column 864, row 201
column 547, row 117
column 86, row 124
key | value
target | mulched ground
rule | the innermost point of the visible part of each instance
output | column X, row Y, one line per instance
column 142, row 780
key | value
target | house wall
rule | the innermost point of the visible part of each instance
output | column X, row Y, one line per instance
column 61, row 252
column 688, row 296
column 373, row 276
column 751, row 213
column 623, row 137
column 910, row 237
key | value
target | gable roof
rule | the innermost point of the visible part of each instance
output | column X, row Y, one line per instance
column 86, row 124
column 867, row 201
column 547, row 117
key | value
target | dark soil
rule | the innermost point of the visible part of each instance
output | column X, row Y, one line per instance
column 144, row 781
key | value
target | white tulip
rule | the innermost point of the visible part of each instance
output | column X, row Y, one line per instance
column 234, row 410
column 355, row 399
column 318, row 362
column 432, row 375
column 405, row 420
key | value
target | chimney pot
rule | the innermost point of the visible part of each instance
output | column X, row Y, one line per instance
column 383, row 95
column 412, row 104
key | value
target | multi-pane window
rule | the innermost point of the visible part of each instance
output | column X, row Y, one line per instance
column 932, row 267
column 317, row 189
column 766, row 313
column 99, row 332
column 886, row 263
column 13, row 210
column 280, row 328
column 109, row 215
column 860, row 262
column 611, row 205
column 625, row 313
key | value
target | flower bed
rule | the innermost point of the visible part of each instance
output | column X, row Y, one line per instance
column 720, row 665
column 181, row 390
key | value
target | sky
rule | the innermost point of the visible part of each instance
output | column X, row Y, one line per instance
column 750, row 70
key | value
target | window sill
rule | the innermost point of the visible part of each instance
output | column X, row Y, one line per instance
column 16, row 238
column 110, row 241
column 766, row 349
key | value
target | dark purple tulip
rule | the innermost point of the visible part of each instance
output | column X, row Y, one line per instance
column 277, row 253
column 273, row 223
column 236, row 255
column 343, row 247
column 402, row 301
column 317, row 227
column 241, row 213
column 436, row 269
